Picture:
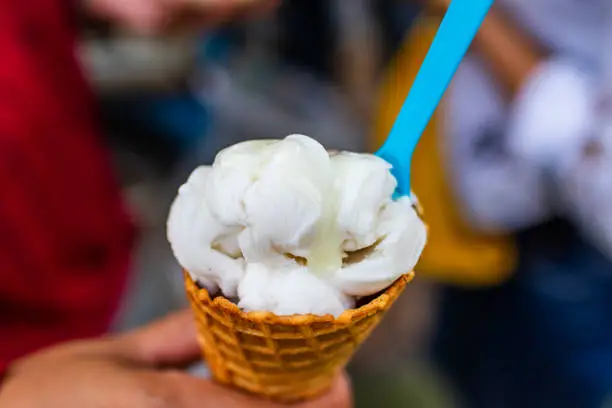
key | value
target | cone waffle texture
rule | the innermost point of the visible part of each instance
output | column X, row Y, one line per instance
column 283, row 358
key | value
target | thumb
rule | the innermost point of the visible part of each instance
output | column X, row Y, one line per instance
column 340, row 396
column 171, row 341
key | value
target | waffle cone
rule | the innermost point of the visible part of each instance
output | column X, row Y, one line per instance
column 282, row 358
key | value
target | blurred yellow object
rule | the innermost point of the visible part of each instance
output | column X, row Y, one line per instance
column 454, row 253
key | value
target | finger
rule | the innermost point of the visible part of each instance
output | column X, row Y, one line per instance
column 213, row 6
column 191, row 16
column 184, row 391
column 340, row 396
column 253, row 12
column 210, row 10
column 250, row 9
column 198, row 14
column 181, row 390
column 171, row 341
column 141, row 16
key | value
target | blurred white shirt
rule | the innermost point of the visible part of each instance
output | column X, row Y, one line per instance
column 549, row 151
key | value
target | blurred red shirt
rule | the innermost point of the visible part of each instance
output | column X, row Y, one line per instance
column 65, row 238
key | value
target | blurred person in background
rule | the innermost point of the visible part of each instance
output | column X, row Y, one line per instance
column 515, row 177
column 527, row 143
column 67, row 237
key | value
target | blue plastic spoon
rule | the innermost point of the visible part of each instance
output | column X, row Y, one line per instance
column 452, row 41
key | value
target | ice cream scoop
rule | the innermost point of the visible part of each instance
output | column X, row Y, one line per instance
column 283, row 226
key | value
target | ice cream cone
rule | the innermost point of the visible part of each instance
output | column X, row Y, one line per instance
column 282, row 358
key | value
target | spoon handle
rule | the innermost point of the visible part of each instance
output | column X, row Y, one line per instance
column 452, row 41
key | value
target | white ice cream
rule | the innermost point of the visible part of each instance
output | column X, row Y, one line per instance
column 283, row 227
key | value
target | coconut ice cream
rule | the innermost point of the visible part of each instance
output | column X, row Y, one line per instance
column 285, row 227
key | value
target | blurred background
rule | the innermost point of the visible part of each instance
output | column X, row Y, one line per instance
column 513, row 298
